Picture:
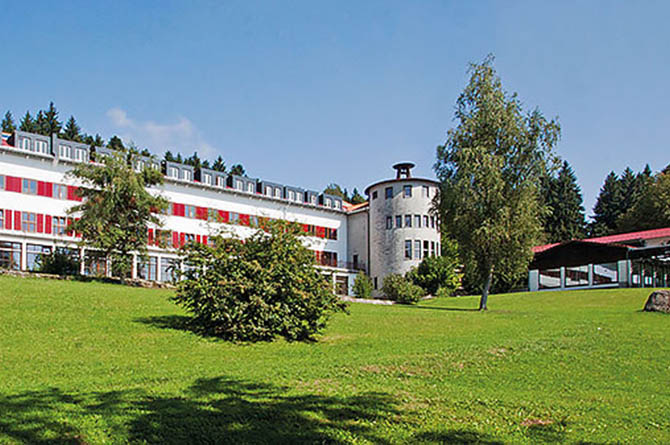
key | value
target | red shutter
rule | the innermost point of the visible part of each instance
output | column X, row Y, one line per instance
column 69, row 222
column 70, row 193
column 201, row 213
column 17, row 220
column 49, row 189
column 47, row 224
column 175, row 239
column 182, row 239
column 305, row 228
column 8, row 219
column 150, row 240
column 40, row 188
column 40, row 223
column 197, row 239
column 224, row 217
column 204, row 239
column 244, row 219
column 175, row 209
column 13, row 184
column 321, row 232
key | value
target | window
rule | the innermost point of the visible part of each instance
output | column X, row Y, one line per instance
column 28, row 222
column 408, row 249
column 432, row 222
column 408, row 220
column 313, row 199
column 80, row 155
column 189, row 238
column 59, row 225
column 277, row 192
column 59, row 191
column 268, row 190
column 398, row 222
column 374, row 196
column 432, row 248
column 25, row 144
column 550, row 278
column 10, row 255
column 337, row 204
column 148, row 270
column 139, row 166
column 606, row 273
column 577, row 276
column 41, row 147
column 2, row 218
column 329, row 202
column 220, row 181
column 426, row 252
column 291, row 195
column 65, row 151
column 426, row 191
column 189, row 211
column 187, row 175
column 425, row 221
column 389, row 223
column 250, row 187
column 407, row 191
column 417, row 221
column 389, row 192
column 417, row 250
column 173, row 172
column 34, row 255
column 2, row 182
column 169, row 269
column 29, row 186
column 208, row 179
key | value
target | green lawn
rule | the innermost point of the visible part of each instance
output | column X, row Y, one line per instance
column 102, row 363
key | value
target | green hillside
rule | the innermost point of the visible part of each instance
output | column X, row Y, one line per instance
column 102, row 363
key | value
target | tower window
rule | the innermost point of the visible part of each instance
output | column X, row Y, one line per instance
column 389, row 223
column 407, row 191
column 389, row 192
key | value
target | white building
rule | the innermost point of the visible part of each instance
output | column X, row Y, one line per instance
column 35, row 193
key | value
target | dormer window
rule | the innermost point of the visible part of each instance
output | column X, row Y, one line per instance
column 268, row 190
column 239, row 185
column 313, row 199
column 277, row 193
column 25, row 144
column 207, row 179
column 187, row 175
column 65, row 151
column 250, row 187
column 80, row 154
column 329, row 202
column 41, row 147
column 219, row 181
column 337, row 204
column 291, row 195
column 173, row 172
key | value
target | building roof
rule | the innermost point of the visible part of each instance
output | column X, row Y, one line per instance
column 352, row 207
column 621, row 238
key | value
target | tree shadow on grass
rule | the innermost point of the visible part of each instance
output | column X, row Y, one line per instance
column 456, row 437
column 176, row 322
column 218, row 410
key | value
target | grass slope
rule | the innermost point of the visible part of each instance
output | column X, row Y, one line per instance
column 102, row 363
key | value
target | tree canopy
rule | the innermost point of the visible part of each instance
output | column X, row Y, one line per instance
column 490, row 169
column 116, row 208
column 565, row 219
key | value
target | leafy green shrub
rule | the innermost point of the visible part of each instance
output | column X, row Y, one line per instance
column 400, row 289
column 444, row 292
column 60, row 262
column 362, row 285
column 435, row 273
column 256, row 289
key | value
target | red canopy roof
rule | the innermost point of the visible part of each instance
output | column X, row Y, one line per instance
column 620, row 238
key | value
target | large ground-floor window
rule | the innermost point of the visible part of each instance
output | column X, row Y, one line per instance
column 550, row 278
column 148, row 270
column 34, row 254
column 10, row 255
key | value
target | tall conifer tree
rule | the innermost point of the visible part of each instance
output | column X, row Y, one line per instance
column 565, row 220
column 52, row 124
column 28, row 123
column 72, row 131
column 8, row 124
column 607, row 208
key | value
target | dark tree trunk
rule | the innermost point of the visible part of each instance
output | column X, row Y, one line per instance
column 485, row 291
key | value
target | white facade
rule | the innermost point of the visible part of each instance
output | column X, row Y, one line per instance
column 36, row 192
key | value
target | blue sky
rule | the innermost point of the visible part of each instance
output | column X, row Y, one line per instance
column 308, row 93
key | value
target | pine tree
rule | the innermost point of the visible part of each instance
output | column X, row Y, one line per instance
column 115, row 143
column 72, row 131
column 28, row 123
column 41, row 126
column 356, row 197
column 52, row 124
column 8, row 125
column 238, row 170
column 194, row 161
column 219, row 165
column 607, row 208
column 563, row 196
column 168, row 157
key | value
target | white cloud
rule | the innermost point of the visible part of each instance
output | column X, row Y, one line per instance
column 182, row 136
